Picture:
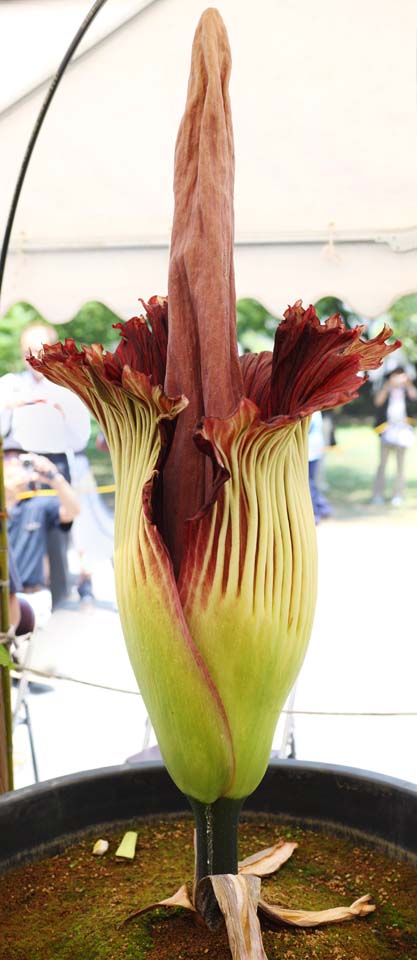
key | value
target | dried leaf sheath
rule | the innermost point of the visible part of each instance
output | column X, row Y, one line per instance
column 238, row 898
column 315, row 918
column 265, row 862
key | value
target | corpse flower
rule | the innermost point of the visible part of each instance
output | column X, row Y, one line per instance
column 215, row 549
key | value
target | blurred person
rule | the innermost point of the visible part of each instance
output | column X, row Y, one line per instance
column 21, row 615
column 316, row 448
column 395, row 429
column 329, row 439
column 30, row 386
column 31, row 518
column 101, row 443
column 25, row 400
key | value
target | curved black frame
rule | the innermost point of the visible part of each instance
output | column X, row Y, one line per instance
column 43, row 818
column 97, row 5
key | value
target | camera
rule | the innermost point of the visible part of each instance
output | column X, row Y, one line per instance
column 26, row 460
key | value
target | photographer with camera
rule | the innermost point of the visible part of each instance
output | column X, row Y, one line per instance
column 35, row 413
column 33, row 511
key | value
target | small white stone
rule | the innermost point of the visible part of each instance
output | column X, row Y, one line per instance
column 100, row 848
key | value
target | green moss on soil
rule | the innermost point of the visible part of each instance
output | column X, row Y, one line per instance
column 70, row 907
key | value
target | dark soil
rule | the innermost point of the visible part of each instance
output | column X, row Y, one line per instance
column 70, row 906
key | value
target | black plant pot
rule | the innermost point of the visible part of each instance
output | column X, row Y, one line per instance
column 44, row 818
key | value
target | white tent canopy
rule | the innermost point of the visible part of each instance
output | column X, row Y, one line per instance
column 323, row 99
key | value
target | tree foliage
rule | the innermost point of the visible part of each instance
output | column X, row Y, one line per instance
column 402, row 317
column 11, row 326
column 327, row 306
column 92, row 324
column 255, row 326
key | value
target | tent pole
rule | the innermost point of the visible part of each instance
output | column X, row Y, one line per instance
column 6, row 750
column 6, row 729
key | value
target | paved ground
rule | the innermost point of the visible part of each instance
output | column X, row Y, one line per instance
column 362, row 659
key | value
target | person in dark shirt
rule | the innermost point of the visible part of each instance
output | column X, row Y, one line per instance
column 33, row 512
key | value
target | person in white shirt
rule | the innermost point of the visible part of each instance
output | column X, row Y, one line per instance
column 29, row 386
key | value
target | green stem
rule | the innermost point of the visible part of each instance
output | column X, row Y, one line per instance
column 216, row 847
column 217, row 839
column 7, row 711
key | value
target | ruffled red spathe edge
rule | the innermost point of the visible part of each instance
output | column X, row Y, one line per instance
column 136, row 367
column 314, row 365
column 142, row 348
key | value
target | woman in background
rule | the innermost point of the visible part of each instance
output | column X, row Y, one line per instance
column 395, row 429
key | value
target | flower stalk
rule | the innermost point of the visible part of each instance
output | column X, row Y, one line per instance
column 216, row 836
column 215, row 547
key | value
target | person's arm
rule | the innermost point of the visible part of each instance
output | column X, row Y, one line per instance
column 382, row 396
column 69, row 506
column 45, row 471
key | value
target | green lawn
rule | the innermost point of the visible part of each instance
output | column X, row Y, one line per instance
column 349, row 470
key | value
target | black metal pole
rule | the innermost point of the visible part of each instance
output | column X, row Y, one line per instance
column 6, row 724
column 36, row 130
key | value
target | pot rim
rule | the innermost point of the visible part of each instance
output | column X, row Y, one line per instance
column 42, row 819
column 297, row 766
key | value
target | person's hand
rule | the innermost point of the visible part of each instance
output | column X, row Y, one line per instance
column 15, row 480
column 43, row 470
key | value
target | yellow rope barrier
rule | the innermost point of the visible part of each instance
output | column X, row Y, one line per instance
column 50, row 492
